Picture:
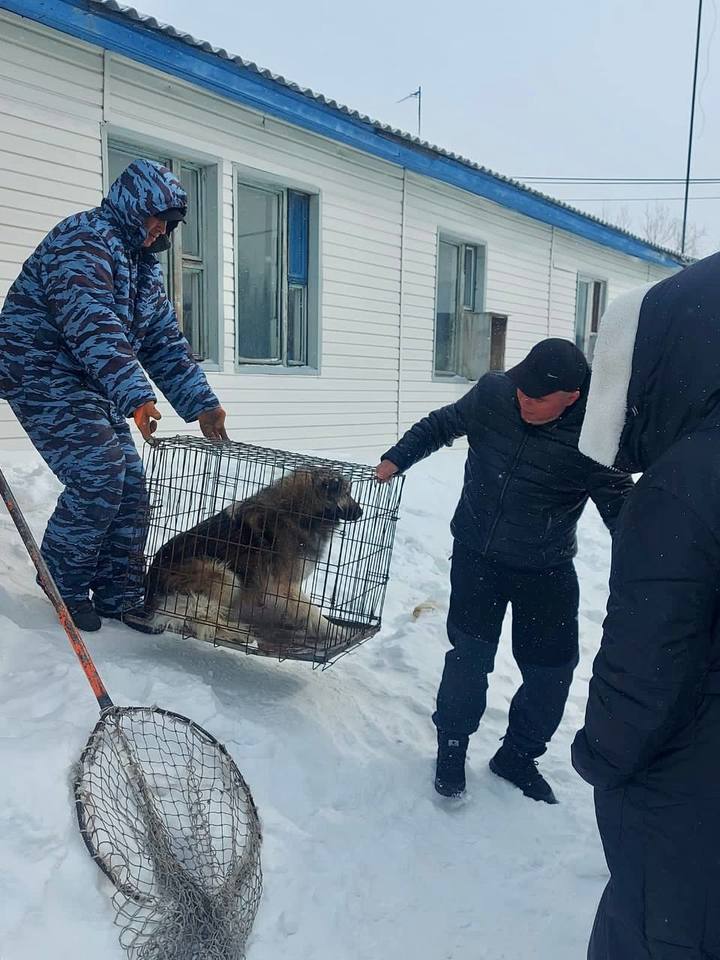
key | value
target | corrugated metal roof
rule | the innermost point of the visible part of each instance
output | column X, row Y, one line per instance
column 151, row 23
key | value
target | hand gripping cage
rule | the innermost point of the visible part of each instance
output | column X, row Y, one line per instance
column 274, row 553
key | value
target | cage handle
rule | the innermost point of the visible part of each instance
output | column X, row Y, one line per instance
column 48, row 585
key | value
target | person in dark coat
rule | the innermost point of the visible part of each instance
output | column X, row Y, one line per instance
column 86, row 318
column 650, row 745
column 514, row 529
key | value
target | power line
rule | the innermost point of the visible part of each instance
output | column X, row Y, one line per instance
column 629, row 199
column 620, row 180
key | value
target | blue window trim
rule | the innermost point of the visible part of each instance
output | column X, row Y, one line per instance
column 298, row 219
column 115, row 32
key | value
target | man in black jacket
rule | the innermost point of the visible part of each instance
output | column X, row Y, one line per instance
column 525, row 487
column 651, row 741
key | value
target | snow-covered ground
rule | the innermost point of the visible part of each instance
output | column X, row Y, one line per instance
column 362, row 859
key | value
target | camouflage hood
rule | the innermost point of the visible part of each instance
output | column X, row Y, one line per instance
column 143, row 189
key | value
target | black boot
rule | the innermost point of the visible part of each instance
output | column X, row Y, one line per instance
column 83, row 612
column 138, row 618
column 522, row 772
column 84, row 616
column 450, row 769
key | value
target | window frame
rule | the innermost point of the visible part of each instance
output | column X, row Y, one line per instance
column 589, row 335
column 185, row 262
column 261, row 180
column 463, row 241
column 207, row 264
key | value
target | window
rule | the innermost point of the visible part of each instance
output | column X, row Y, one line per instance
column 274, row 277
column 459, row 298
column 589, row 307
column 188, row 279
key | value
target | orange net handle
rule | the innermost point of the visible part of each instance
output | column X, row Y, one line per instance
column 48, row 585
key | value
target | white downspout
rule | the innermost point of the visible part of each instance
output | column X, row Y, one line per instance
column 106, row 67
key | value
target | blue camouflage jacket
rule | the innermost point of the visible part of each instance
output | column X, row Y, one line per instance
column 89, row 310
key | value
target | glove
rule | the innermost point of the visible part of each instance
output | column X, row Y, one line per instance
column 212, row 424
column 146, row 418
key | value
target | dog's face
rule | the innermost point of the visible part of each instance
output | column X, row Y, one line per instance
column 334, row 499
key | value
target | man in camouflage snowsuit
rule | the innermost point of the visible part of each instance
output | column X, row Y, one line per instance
column 87, row 313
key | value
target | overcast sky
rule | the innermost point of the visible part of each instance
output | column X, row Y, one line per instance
column 564, row 88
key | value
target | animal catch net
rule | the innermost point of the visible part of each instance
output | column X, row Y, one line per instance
column 168, row 817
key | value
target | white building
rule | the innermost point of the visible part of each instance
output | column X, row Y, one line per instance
column 338, row 278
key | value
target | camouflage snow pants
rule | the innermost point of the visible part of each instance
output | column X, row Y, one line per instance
column 95, row 536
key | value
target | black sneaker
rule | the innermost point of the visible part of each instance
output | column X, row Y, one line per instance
column 137, row 618
column 450, row 769
column 522, row 772
column 84, row 616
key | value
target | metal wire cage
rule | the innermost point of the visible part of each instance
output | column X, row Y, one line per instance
column 274, row 553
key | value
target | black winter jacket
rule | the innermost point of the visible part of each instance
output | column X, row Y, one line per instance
column 651, row 740
column 660, row 651
column 525, row 487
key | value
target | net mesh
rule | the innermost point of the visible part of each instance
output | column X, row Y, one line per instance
column 168, row 817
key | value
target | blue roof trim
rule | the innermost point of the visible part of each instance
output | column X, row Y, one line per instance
column 116, row 32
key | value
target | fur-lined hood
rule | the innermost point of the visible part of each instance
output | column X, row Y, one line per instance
column 656, row 369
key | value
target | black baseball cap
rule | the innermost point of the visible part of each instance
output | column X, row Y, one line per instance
column 173, row 215
column 550, row 366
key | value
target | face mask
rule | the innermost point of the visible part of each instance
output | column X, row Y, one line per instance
column 163, row 243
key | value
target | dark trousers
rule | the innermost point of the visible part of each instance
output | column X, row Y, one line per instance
column 95, row 536
column 545, row 646
column 661, row 836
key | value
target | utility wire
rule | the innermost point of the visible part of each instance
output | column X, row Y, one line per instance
column 630, row 199
column 621, row 180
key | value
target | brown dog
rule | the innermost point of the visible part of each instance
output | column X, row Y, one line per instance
column 241, row 572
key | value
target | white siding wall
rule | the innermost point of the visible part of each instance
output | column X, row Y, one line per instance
column 517, row 278
column 57, row 104
column 50, row 158
column 532, row 272
column 571, row 256
column 354, row 400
